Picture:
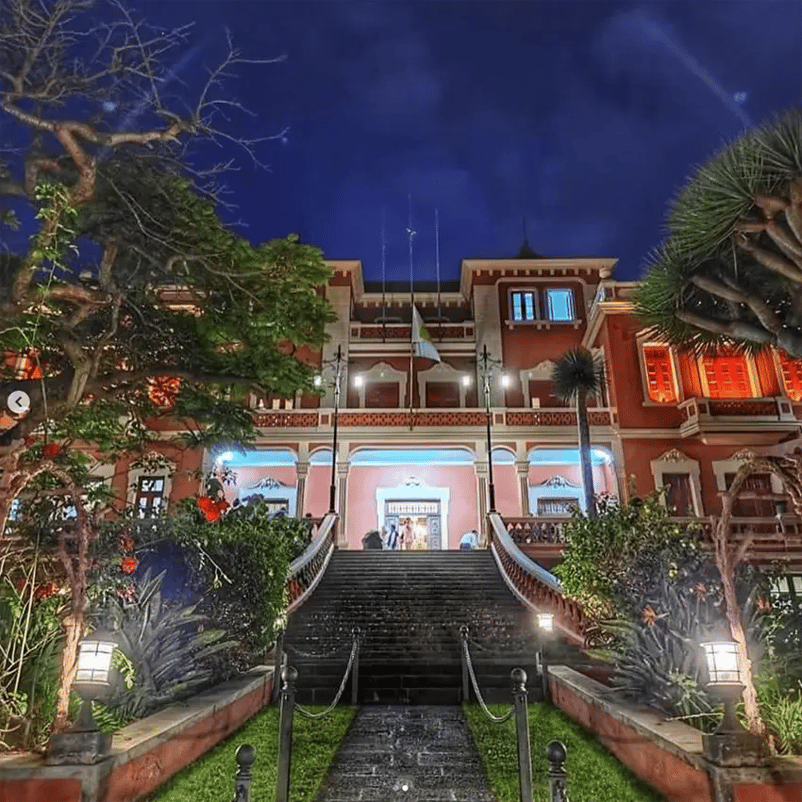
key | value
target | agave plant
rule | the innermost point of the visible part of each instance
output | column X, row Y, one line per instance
column 167, row 646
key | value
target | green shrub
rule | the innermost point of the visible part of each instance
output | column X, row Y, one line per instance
column 167, row 646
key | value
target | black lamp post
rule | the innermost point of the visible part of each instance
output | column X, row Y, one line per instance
column 337, row 365
column 487, row 367
column 545, row 623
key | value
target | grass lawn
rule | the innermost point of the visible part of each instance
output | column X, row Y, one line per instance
column 211, row 777
column 594, row 775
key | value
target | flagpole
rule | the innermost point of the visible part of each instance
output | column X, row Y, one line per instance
column 384, row 281
column 437, row 270
column 410, row 234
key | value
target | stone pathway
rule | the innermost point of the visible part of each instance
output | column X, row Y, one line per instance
column 394, row 753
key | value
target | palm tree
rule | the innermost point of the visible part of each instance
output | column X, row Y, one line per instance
column 730, row 271
column 577, row 375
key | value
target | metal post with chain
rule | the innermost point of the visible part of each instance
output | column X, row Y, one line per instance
column 556, row 754
column 519, row 694
column 245, row 755
column 288, row 677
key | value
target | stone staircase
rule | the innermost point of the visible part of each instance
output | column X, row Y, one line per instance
column 410, row 607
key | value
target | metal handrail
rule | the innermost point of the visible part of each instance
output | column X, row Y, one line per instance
column 501, row 537
column 307, row 570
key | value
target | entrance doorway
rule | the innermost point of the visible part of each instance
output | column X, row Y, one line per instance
column 424, row 516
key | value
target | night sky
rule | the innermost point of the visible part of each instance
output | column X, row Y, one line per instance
column 582, row 117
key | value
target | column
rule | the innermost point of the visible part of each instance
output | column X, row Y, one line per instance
column 523, row 486
column 342, row 499
column 481, row 484
column 301, row 470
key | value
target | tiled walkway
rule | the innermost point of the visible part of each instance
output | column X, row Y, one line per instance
column 407, row 754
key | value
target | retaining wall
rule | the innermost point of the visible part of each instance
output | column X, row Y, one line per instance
column 146, row 753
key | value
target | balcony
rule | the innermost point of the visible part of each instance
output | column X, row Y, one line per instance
column 737, row 421
column 400, row 332
column 420, row 418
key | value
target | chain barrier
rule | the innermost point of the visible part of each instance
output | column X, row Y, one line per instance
column 354, row 650
column 469, row 663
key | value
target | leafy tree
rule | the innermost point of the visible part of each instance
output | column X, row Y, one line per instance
column 730, row 271
column 576, row 376
column 130, row 277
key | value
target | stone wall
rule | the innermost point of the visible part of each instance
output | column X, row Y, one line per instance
column 146, row 753
column 667, row 754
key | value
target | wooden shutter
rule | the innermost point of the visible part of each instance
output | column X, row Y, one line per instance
column 381, row 395
column 753, row 507
column 678, row 496
column 727, row 376
column 659, row 375
column 442, row 394
column 792, row 376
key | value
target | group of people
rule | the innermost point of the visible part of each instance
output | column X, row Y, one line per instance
column 410, row 536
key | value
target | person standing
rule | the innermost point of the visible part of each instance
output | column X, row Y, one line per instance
column 407, row 534
column 392, row 538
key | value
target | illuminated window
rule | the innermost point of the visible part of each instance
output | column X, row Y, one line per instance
column 659, row 375
column 792, row 376
column 727, row 376
column 560, row 304
column 522, row 304
column 149, row 496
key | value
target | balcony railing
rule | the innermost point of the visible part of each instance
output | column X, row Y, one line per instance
column 401, row 331
column 448, row 417
column 772, row 539
column 699, row 413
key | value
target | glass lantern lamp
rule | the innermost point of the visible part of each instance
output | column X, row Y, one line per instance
column 545, row 623
column 724, row 680
column 83, row 743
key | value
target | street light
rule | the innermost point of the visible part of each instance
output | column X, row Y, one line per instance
column 336, row 366
column 725, row 680
column 545, row 624
column 83, row 743
column 486, row 367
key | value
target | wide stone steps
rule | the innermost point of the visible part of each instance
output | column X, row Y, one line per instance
column 409, row 607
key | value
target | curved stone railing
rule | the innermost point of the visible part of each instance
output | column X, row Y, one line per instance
column 307, row 570
column 533, row 584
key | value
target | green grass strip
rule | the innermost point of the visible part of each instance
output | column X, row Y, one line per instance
column 594, row 774
column 314, row 743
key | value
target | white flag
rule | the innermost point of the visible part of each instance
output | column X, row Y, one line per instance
column 421, row 340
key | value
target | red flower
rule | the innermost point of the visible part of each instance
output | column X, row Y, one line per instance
column 210, row 508
column 129, row 565
column 126, row 543
column 50, row 450
column 45, row 591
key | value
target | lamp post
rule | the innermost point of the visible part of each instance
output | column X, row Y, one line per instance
column 337, row 365
column 545, row 625
column 83, row 743
column 730, row 744
column 487, row 366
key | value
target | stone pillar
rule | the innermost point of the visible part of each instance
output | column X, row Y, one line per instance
column 523, row 486
column 301, row 470
column 481, row 489
column 342, row 505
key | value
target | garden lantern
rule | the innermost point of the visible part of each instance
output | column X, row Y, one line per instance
column 545, row 622
column 84, row 743
column 724, row 680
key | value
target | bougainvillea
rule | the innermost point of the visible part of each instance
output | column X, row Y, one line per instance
column 129, row 565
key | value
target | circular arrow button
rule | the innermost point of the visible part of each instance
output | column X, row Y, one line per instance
column 19, row 402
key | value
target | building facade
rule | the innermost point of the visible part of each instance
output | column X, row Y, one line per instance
column 414, row 436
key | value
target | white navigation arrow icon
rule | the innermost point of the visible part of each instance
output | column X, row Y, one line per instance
column 18, row 402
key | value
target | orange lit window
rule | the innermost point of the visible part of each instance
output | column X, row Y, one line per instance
column 792, row 375
column 727, row 376
column 163, row 390
column 21, row 366
column 659, row 376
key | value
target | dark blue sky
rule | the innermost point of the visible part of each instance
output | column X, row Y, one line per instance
column 583, row 117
